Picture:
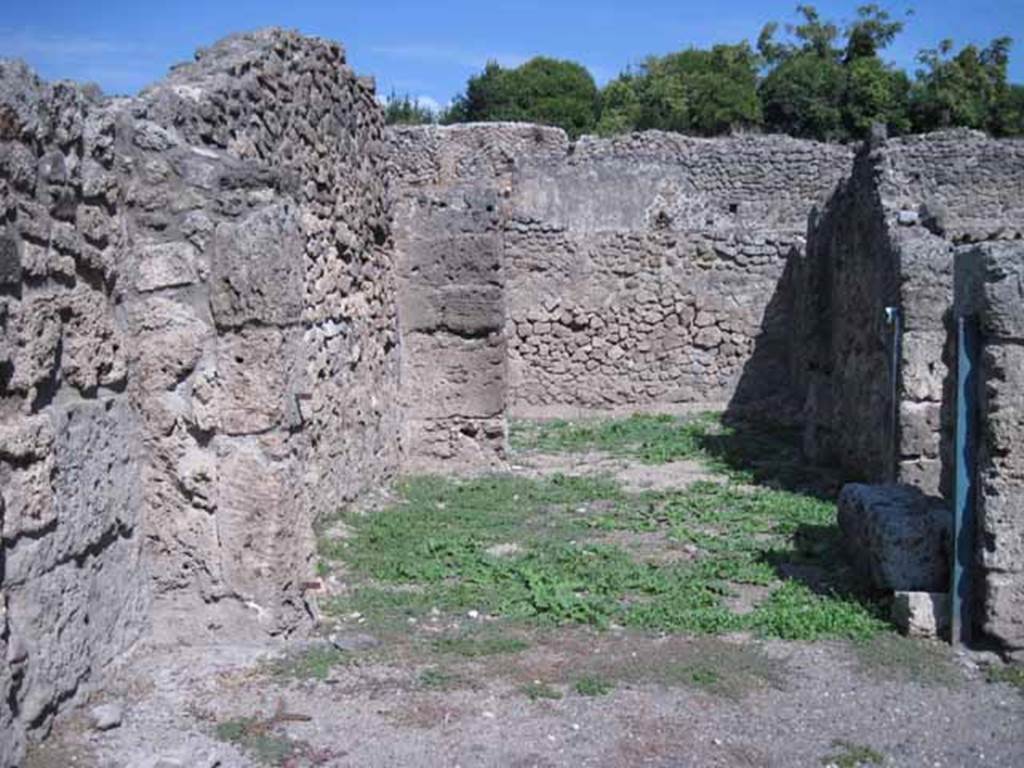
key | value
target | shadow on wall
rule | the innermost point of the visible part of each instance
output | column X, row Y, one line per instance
column 820, row 365
column 764, row 415
column 764, row 391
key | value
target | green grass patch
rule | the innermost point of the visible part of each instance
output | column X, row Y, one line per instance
column 651, row 438
column 441, row 679
column 712, row 665
column 542, row 551
column 1010, row 674
column 722, row 669
column 592, row 685
column 537, row 690
column 752, row 452
column 258, row 740
column 701, row 676
column 313, row 663
column 476, row 647
column 795, row 612
column 850, row 755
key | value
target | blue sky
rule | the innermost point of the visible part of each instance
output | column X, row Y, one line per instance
column 428, row 49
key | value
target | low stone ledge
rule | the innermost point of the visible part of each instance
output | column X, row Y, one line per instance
column 921, row 614
column 897, row 537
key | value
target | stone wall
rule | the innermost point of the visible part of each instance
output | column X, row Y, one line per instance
column 888, row 239
column 199, row 353
column 265, row 301
column 639, row 272
column 649, row 270
column 451, row 189
column 990, row 287
column 211, row 337
column 74, row 590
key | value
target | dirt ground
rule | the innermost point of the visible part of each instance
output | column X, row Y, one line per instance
column 799, row 705
column 470, row 690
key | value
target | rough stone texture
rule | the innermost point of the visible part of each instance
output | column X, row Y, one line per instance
column 450, row 187
column 990, row 286
column 921, row 614
column 897, row 537
column 264, row 296
column 198, row 356
column 639, row 271
column 73, row 589
column 651, row 268
column 888, row 238
column 209, row 336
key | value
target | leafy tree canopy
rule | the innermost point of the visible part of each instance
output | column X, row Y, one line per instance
column 814, row 78
column 543, row 90
column 830, row 85
column 968, row 88
column 404, row 110
column 692, row 91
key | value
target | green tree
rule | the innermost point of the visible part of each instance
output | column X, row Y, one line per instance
column 404, row 110
column 872, row 31
column 705, row 92
column 967, row 89
column 826, row 85
column 620, row 105
column 801, row 96
column 875, row 93
column 543, row 90
column 1010, row 116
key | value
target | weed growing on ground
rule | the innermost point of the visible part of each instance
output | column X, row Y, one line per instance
column 257, row 739
column 1011, row 674
column 749, row 452
column 440, row 679
column 524, row 549
column 700, row 676
column 713, row 665
column 795, row 612
column 652, row 438
column 538, row 690
column 850, row 755
column 591, row 685
column 313, row 663
column 475, row 647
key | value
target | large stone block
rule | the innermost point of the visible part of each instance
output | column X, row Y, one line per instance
column 451, row 259
column 1001, row 520
column 257, row 269
column 990, row 283
column 252, row 379
column 446, row 375
column 926, row 278
column 897, row 537
column 263, row 524
column 171, row 337
column 923, row 372
column 920, row 424
column 167, row 265
column 1004, row 609
column 921, row 614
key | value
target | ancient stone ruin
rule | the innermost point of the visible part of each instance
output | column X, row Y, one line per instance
column 235, row 302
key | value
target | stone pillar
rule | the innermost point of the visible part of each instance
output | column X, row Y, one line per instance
column 990, row 285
